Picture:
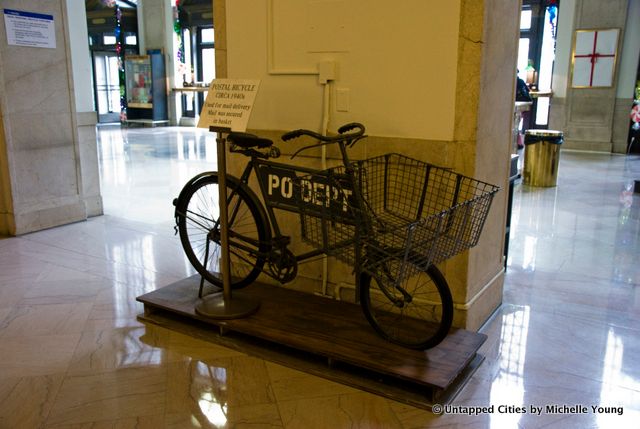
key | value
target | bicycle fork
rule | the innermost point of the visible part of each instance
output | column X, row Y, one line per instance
column 387, row 277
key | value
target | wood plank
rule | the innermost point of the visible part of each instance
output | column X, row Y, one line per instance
column 332, row 329
column 389, row 387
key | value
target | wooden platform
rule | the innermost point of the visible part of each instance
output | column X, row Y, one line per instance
column 324, row 337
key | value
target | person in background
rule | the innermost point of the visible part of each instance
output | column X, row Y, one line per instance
column 522, row 94
column 522, row 91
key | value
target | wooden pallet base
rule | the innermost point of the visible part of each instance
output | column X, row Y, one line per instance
column 328, row 338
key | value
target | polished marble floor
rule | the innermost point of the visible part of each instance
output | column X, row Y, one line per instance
column 73, row 355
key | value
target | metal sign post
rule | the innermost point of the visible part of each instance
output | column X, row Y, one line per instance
column 222, row 116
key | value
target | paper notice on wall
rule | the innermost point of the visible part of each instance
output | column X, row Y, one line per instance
column 229, row 103
column 29, row 29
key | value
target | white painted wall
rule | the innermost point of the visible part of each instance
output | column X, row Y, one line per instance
column 397, row 62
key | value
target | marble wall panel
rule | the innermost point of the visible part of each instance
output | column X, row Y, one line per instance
column 36, row 130
column 6, row 196
column 621, row 124
column 42, row 218
column 24, row 58
column 558, row 114
column 38, row 177
column 593, row 107
column 41, row 86
column 599, row 14
column 470, row 42
column 86, row 123
column 41, row 131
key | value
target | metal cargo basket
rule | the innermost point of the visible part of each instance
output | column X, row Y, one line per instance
column 411, row 214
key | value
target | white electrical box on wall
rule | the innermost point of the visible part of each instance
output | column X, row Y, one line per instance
column 326, row 71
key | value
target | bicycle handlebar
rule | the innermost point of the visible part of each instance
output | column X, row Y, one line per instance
column 342, row 136
column 348, row 127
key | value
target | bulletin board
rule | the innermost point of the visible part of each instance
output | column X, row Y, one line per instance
column 594, row 58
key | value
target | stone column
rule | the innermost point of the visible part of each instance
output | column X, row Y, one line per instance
column 156, row 32
column 46, row 143
column 487, row 50
column 220, row 30
column 629, row 62
column 85, row 117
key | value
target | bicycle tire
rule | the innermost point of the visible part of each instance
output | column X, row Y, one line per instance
column 197, row 211
column 421, row 323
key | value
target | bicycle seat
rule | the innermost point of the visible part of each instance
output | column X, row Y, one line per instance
column 247, row 141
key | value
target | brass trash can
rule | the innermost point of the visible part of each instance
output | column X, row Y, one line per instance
column 541, row 157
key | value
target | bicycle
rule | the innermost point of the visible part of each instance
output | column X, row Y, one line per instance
column 391, row 217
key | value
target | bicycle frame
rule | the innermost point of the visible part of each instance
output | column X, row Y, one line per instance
column 276, row 184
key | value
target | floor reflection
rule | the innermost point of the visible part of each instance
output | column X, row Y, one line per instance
column 130, row 351
column 627, row 238
column 213, row 388
column 507, row 387
column 620, row 392
column 142, row 170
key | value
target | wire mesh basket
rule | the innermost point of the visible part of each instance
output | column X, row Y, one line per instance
column 408, row 215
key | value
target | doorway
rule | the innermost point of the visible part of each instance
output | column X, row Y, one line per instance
column 107, row 86
column 197, row 37
column 536, row 55
column 200, row 58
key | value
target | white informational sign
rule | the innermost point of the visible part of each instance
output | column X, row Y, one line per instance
column 229, row 103
column 29, row 29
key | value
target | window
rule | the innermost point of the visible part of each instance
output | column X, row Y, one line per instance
column 523, row 58
column 525, row 19
column 207, row 35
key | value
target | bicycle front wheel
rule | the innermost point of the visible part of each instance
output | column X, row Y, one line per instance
column 198, row 212
column 415, row 313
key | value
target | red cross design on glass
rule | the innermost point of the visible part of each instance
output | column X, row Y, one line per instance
column 594, row 58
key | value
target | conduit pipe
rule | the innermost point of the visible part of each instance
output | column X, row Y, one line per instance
column 326, row 73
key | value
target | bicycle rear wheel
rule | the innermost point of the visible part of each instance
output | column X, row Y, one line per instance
column 198, row 225
column 417, row 313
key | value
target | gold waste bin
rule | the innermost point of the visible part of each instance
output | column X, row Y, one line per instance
column 541, row 157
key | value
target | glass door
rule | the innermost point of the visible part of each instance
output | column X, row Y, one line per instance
column 200, row 58
column 206, row 60
column 107, row 86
